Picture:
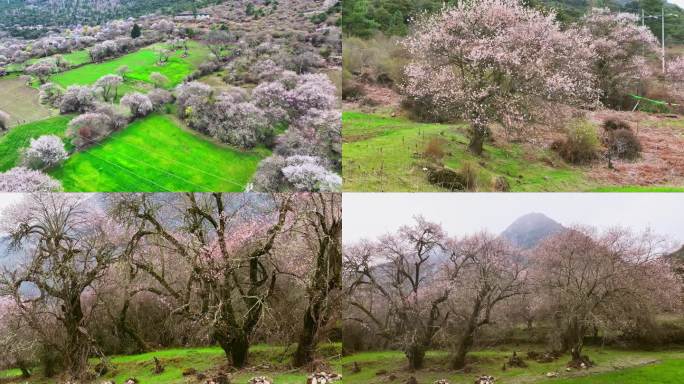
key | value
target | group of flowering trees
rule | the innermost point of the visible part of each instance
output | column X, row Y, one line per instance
column 499, row 61
column 419, row 288
column 307, row 156
column 210, row 267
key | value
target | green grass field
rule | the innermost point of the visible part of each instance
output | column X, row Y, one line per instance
column 612, row 366
column 156, row 154
column 21, row 102
column 380, row 154
column 19, row 137
column 141, row 64
column 384, row 154
column 206, row 360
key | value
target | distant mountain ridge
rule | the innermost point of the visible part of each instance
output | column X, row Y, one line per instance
column 530, row 229
column 89, row 12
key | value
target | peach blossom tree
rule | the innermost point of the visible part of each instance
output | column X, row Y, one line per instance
column 497, row 61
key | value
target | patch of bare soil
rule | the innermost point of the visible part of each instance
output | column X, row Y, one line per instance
column 662, row 157
column 375, row 97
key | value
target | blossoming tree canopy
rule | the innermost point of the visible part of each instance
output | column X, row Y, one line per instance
column 497, row 61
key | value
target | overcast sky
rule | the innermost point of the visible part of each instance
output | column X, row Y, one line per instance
column 367, row 215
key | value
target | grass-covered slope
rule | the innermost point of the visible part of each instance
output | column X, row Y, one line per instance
column 383, row 153
column 141, row 64
column 264, row 360
column 20, row 137
column 156, row 154
column 612, row 366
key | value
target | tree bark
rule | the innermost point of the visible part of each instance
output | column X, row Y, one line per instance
column 466, row 342
column 416, row 357
column 307, row 344
column 236, row 348
column 478, row 135
column 77, row 347
column 327, row 282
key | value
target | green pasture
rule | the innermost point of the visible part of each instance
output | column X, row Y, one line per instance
column 612, row 366
column 20, row 137
column 265, row 360
column 157, row 154
column 141, row 64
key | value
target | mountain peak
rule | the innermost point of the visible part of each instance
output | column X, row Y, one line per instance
column 528, row 230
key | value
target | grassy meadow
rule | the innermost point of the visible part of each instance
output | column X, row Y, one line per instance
column 265, row 360
column 612, row 366
column 141, row 64
column 383, row 153
column 156, row 154
column 18, row 138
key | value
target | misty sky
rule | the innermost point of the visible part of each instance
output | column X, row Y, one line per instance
column 367, row 215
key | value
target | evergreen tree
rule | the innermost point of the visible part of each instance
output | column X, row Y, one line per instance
column 135, row 32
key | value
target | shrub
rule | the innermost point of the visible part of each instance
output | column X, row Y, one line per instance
column 45, row 152
column 21, row 179
column 89, row 128
column 351, row 89
column 446, row 178
column 434, row 149
column 581, row 144
column 4, row 121
column 614, row 123
column 51, row 94
column 500, row 184
column 160, row 97
column 624, row 144
column 159, row 80
column 470, row 175
column 139, row 104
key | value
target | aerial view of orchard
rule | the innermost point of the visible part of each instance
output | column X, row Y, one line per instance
column 201, row 96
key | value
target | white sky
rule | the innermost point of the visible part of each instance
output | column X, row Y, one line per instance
column 367, row 215
column 680, row 3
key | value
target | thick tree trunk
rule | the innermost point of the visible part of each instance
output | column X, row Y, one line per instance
column 459, row 360
column 416, row 356
column 325, row 284
column 307, row 339
column 466, row 342
column 236, row 349
column 478, row 135
column 78, row 344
